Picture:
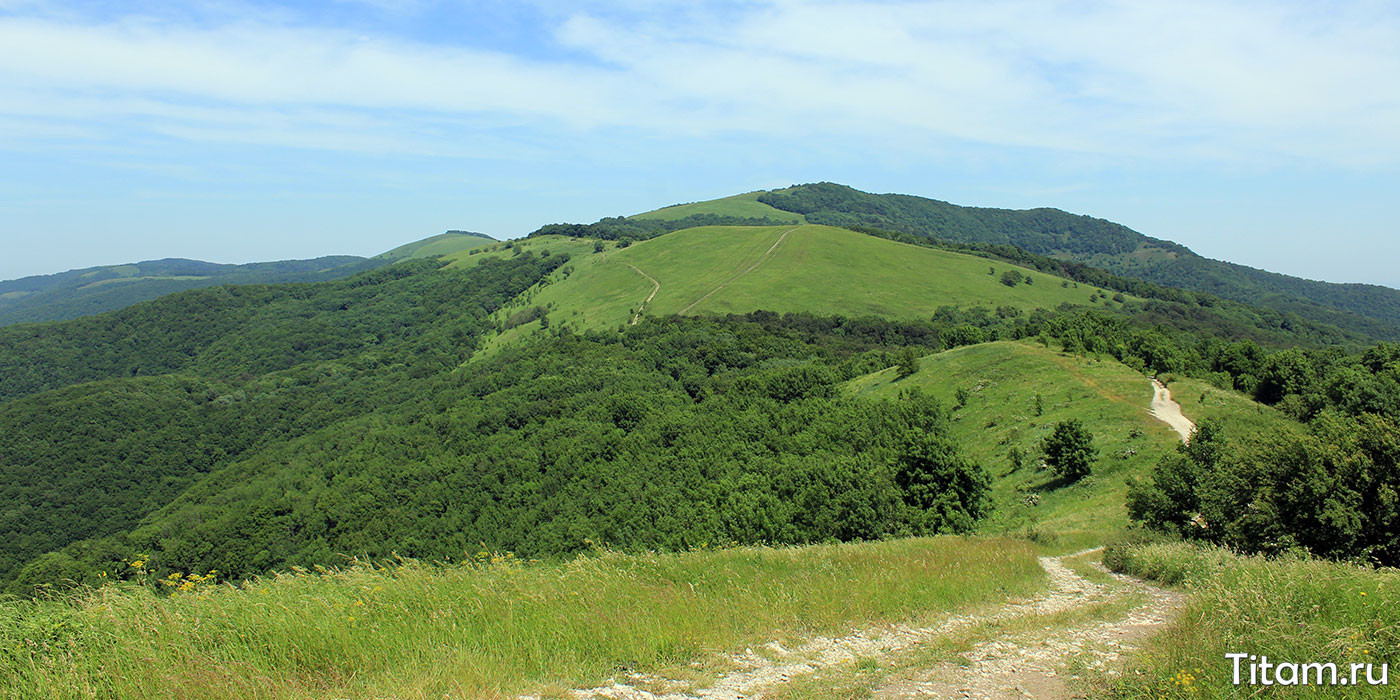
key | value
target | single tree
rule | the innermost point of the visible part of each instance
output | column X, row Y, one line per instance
column 945, row 491
column 1011, row 278
column 908, row 362
column 1069, row 450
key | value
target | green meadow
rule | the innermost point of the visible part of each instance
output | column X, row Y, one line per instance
column 1016, row 393
column 441, row 244
column 1290, row 609
column 736, row 269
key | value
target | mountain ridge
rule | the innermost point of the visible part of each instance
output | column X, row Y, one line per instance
column 1093, row 241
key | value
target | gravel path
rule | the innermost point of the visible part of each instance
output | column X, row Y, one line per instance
column 1036, row 664
column 1028, row 665
column 1169, row 412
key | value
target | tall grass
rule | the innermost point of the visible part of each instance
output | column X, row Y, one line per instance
column 485, row 629
column 1294, row 610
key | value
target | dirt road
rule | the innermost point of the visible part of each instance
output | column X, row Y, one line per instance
column 1169, row 412
column 656, row 287
column 1027, row 648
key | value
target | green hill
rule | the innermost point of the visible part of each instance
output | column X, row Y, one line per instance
column 1006, row 382
column 441, row 244
column 96, row 289
column 1365, row 308
column 798, row 268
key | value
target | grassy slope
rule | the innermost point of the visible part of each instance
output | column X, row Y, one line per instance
column 441, row 244
column 818, row 269
column 828, row 270
column 1202, row 401
column 489, row 629
column 1290, row 610
column 1112, row 400
column 746, row 205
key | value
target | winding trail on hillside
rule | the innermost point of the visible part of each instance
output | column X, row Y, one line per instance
column 1168, row 411
column 656, row 287
column 1064, row 628
column 751, row 268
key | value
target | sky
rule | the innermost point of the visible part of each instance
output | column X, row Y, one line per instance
column 1264, row 133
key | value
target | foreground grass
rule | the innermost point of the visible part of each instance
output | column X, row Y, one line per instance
column 484, row 629
column 1292, row 610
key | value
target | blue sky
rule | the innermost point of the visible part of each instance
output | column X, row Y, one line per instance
column 1262, row 133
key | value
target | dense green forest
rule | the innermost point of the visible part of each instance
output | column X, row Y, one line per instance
column 1097, row 242
column 391, row 315
column 675, row 434
column 672, row 434
column 93, row 290
column 94, row 458
column 1333, row 490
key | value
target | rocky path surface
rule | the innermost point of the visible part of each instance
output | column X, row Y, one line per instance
column 1038, row 664
column 1168, row 411
column 1014, row 665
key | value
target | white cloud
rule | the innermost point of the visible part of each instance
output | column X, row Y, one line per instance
column 1243, row 82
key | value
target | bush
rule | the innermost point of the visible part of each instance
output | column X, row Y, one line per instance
column 1011, row 278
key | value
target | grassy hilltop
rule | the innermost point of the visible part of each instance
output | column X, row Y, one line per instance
column 798, row 268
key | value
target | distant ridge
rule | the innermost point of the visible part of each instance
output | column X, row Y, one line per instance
column 93, row 290
column 445, row 243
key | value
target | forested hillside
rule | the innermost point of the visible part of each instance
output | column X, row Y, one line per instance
column 246, row 367
column 94, row 290
column 1097, row 242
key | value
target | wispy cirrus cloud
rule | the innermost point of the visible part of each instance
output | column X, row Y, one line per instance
column 1224, row 125
column 1245, row 82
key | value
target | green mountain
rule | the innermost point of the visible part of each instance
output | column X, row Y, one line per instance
column 1363, row 308
column 96, row 289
